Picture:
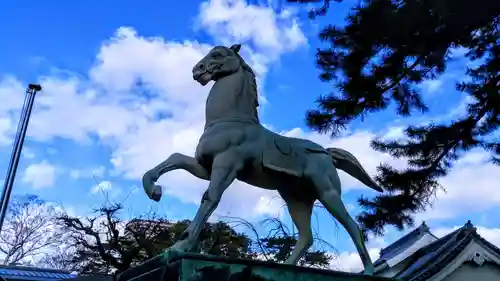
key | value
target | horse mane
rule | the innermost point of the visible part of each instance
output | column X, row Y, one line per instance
column 247, row 67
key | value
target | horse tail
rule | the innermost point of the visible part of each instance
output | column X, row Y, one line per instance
column 346, row 162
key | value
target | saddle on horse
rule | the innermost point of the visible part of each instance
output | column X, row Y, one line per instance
column 280, row 155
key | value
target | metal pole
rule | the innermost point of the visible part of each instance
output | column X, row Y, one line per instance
column 22, row 127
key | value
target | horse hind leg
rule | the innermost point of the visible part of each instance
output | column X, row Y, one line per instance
column 175, row 161
column 328, row 187
column 300, row 212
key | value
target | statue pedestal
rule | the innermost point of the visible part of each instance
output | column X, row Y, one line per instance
column 196, row 267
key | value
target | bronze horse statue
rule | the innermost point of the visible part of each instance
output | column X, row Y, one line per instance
column 234, row 145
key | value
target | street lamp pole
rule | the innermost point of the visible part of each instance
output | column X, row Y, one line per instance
column 22, row 127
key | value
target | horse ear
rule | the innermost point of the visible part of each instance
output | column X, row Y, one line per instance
column 236, row 48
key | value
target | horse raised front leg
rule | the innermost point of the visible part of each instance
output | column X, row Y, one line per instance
column 174, row 162
column 224, row 171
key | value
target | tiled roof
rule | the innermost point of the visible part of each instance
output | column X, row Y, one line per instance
column 402, row 244
column 92, row 277
column 430, row 259
column 31, row 273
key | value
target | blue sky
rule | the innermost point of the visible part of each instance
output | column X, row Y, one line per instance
column 93, row 131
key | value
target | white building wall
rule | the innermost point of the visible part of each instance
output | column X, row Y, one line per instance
column 471, row 272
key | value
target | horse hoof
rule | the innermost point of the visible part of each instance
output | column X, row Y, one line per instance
column 156, row 195
column 368, row 271
column 180, row 246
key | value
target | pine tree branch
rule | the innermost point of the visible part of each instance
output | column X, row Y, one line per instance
column 315, row 12
column 396, row 207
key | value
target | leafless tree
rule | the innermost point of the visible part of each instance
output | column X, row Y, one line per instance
column 60, row 258
column 104, row 243
column 29, row 230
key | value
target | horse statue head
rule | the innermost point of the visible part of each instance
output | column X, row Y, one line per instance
column 221, row 61
column 226, row 64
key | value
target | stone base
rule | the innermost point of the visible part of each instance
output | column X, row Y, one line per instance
column 196, row 267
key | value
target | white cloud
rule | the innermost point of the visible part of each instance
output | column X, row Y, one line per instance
column 350, row 261
column 470, row 187
column 96, row 172
column 442, row 231
column 265, row 32
column 28, row 153
column 492, row 235
column 40, row 175
column 432, row 86
column 108, row 104
column 273, row 207
column 6, row 126
column 103, row 186
column 395, row 133
column 237, row 21
column 12, row 95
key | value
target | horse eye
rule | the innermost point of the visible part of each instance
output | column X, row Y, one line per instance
column 216, row 55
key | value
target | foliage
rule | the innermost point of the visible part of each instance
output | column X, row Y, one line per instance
column 279, row 243
column 279, row 249
column 220, row 239
column 24, row 233
column 379, row 58
column 104, row 243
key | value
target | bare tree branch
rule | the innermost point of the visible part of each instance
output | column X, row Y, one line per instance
column 29, row 229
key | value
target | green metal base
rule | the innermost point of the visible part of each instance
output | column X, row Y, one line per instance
column 175, row 266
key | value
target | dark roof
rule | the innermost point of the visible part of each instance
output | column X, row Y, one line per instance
column 32, row 273
column 429, row 260
column 94, row 277
column 402, row 244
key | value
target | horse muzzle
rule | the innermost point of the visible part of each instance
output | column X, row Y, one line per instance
column 202, row 78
